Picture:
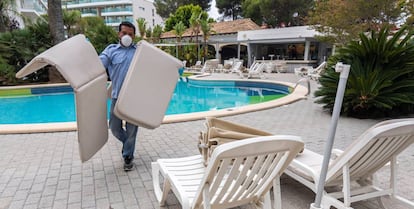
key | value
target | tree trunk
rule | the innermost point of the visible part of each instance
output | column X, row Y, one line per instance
column 57, row 32
column 56, row 20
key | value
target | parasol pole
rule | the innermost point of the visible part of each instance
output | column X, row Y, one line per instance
column 343, row 77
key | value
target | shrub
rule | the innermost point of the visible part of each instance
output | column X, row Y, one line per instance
column 381, row 80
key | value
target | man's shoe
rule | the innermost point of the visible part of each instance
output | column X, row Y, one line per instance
column 128, row 164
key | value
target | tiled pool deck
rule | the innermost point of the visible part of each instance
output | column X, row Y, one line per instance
column 43, row 170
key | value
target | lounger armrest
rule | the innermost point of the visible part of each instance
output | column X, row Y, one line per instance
column 303, row 168
column 336, row 153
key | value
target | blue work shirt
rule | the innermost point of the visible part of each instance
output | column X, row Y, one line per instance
column 117, row 59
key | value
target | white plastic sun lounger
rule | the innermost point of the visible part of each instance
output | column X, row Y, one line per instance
column 378, row 146
column 238, row 173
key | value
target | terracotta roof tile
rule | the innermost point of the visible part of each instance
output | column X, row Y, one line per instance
column 226, row 27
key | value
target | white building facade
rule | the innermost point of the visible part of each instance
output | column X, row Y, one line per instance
column 32, row 9
column 112, row 11
column 115, row 11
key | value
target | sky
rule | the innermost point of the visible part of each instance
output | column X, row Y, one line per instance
column 213, row 13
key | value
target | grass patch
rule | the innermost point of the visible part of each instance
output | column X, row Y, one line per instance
column 259, row 99
column 14, row 92
column 186, row 74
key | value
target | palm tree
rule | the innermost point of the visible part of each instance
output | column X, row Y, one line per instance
column 195, row 24
column 381, row 80
column 156, row 33
column 56, row 26
column 148, row 34
column 178, row 31
column 206, row 29
column 70, row 19
column 142, row 25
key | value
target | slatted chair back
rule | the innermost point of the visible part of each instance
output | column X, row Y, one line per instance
column 242, row 172
column 372, row 150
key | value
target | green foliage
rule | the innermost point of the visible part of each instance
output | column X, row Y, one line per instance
column 343, row 21
column 183, row 14
column 7, row 9
column 179, row 30
column 156, row 33
column 381, row 80
column 148, row 34
column 230, row 8
column 18, row 47
column 251, row 9
column 99, row 34
column 276, row 12
column 142, row 26
column 207, row 31
column 71, row 20
column 165, row 8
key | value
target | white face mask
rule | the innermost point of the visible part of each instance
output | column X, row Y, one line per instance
column 126, row 40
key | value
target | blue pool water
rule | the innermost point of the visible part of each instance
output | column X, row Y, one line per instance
column 188, row 97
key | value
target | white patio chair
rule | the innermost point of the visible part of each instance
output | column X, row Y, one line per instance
column 237, row 68
column 257, row 72
column 303, row 71
column 315, row 73
column 309, row 71
column 238, row 173
column 375, row 148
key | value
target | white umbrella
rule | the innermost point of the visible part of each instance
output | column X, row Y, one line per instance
column 343, row 77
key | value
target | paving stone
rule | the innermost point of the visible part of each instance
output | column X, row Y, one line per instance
column 43, row 170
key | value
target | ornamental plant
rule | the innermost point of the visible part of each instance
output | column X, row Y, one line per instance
column 381, row 79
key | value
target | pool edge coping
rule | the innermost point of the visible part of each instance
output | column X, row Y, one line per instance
column 298, row 93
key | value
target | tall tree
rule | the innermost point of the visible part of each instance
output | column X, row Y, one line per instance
column 55, row 15
column 409, row 16
column 7, row 7
column 195, row 24
column 179, row 30
column 71, row 20
column 345, row 20
column 183, row 14
column 165, row 8
column 230, row 8
column 207, row 31
column 99, row 34
column 277, row 12
column 251, row 9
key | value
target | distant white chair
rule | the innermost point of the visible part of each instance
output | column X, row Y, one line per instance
column 198, row 64
column 257, row 71
column 309, row 71
column 375, row 148
column 238, row 173
column 303, row 71
column 281, row 66
column 196, row 67
column 210, row 66
column 315, row 74
column 237, row 68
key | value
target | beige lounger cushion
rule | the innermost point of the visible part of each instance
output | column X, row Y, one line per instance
column 78, row 62
column 148, row 86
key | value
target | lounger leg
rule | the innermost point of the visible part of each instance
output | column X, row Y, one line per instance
column 328, row 201
column 161, row 195
column 393, row 180
column 277, row 194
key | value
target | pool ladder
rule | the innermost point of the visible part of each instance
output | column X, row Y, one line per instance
column 308, row 85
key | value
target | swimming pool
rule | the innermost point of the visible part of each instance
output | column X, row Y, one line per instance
column 51, row 104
